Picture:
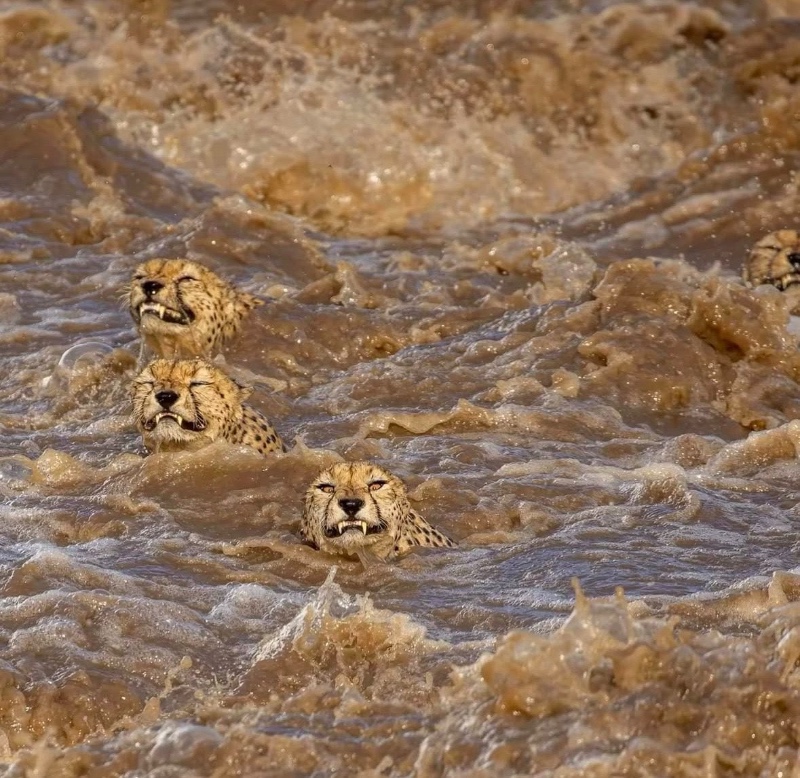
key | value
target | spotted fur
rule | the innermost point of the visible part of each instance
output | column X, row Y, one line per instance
column 775, row 260
column 189, row 403
column 353, row 507
column 182, row 309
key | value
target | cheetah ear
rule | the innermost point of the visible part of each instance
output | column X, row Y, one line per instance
column 244, row 390
column 248, row 301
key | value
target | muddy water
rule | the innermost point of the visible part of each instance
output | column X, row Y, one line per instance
column 500, row 245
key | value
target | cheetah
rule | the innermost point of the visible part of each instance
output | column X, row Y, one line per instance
column 182, row 309
column 775, row 260
column 186, row 404
column 361, row 509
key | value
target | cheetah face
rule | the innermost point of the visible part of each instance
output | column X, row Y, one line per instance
column 183, row 309
column 184, row 404
column 775, row 260
column 354, row 505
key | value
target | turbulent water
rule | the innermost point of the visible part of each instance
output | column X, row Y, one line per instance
column 500, row 244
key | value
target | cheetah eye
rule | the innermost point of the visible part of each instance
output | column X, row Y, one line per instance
column 199, row 383
column 375, row 485
column 327, row 488
column 185, row 278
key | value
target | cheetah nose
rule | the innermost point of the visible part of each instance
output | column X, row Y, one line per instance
column 151, row 287
column 166, row 398
column 351, row 505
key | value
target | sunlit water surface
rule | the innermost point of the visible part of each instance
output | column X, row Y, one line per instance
column 500, row 246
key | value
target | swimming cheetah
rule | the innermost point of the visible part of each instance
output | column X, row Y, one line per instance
column 182, row 309
column 358, row 508
column 775, row 260
column 186, row 404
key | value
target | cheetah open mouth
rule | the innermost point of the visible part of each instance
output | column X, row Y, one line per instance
column 343, row 526
column 185, row 424
column 784, row 282
column 169, row 315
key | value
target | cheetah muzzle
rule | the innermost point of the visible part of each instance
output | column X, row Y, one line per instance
column 186, row 404
column 361, row 509
column 183, row 317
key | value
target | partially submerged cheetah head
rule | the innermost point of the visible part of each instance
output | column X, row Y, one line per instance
column 183, row 309
column 775, row 260
column 185, row 404
column 355, row 508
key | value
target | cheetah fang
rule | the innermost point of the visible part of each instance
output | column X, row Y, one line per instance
column 179, row 420
column 168, row 315
column 343, row 526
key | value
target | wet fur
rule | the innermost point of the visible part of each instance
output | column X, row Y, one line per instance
column 215, row 307
column 207, row 398
column 394, row 526
column 775, row 260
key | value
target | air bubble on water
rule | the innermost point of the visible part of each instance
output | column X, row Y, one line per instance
column 83, row 353
column 78, row 357
column 14, row 469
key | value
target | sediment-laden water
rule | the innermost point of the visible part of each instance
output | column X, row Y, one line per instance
column 500, row 245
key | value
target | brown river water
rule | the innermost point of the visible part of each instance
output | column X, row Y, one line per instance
column 500, row 244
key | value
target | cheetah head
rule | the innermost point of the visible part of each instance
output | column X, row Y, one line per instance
column 185, row 404
column 183, row 309
column 775, row 260
column 352, row 506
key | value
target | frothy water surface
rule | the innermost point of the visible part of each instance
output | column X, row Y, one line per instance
column 500, row 247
